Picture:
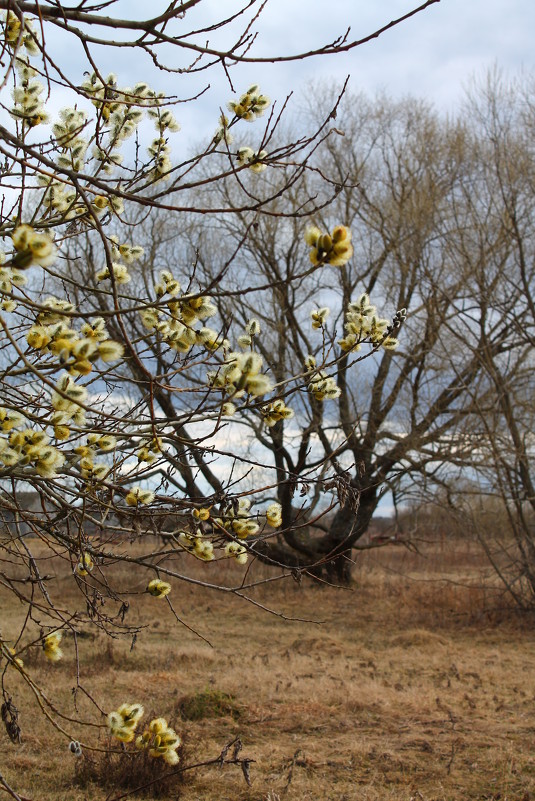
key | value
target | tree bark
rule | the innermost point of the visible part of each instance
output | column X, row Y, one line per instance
column 328, row 557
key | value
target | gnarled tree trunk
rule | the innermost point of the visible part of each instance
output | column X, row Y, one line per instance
column 325, row 556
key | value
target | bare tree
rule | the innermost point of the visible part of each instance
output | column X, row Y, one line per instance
column 441, row 214
column 496, row 243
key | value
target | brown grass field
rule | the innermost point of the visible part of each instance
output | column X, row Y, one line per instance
column 417, row 683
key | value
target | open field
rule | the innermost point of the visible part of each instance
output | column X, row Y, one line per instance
column 405, row 688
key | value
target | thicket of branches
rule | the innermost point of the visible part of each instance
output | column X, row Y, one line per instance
column 441, row 214
column 123, row 384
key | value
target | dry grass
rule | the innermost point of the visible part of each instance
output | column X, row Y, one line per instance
column 416, row 684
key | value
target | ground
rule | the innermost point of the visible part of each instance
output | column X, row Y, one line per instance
column 416, row 683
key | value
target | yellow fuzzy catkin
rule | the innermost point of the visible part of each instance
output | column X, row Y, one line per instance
column 274, row 515
column 32, row 247
column 51, row 646
column 122, row 722
column 335, row 248
column 138, row 496
column 158, row 589
column 161, row 741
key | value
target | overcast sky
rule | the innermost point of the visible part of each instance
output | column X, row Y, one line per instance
column 433, row 54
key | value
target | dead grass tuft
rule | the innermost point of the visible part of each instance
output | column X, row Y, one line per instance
column 132, row 771
column 208, row 704
column 315, row 645
column 419, row 638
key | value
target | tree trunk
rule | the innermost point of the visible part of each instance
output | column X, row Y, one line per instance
column 329, row 557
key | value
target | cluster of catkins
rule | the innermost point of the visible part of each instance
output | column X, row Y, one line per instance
column 275, row 411
column 90, row 468
column 76, row 351
column 321, row 385
column 159, row 739
column 122, row 723
column 238, row 521
column 174, row 320
column 335, row 248
column 20, row 32
column 241, row 374
column 31, row 248
column 362, row 323
column 119, row 112
column 122, row 256
column 250, row 105
column 22, row 446
column 204, row 548
column 239, row 524
column 28, row 106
